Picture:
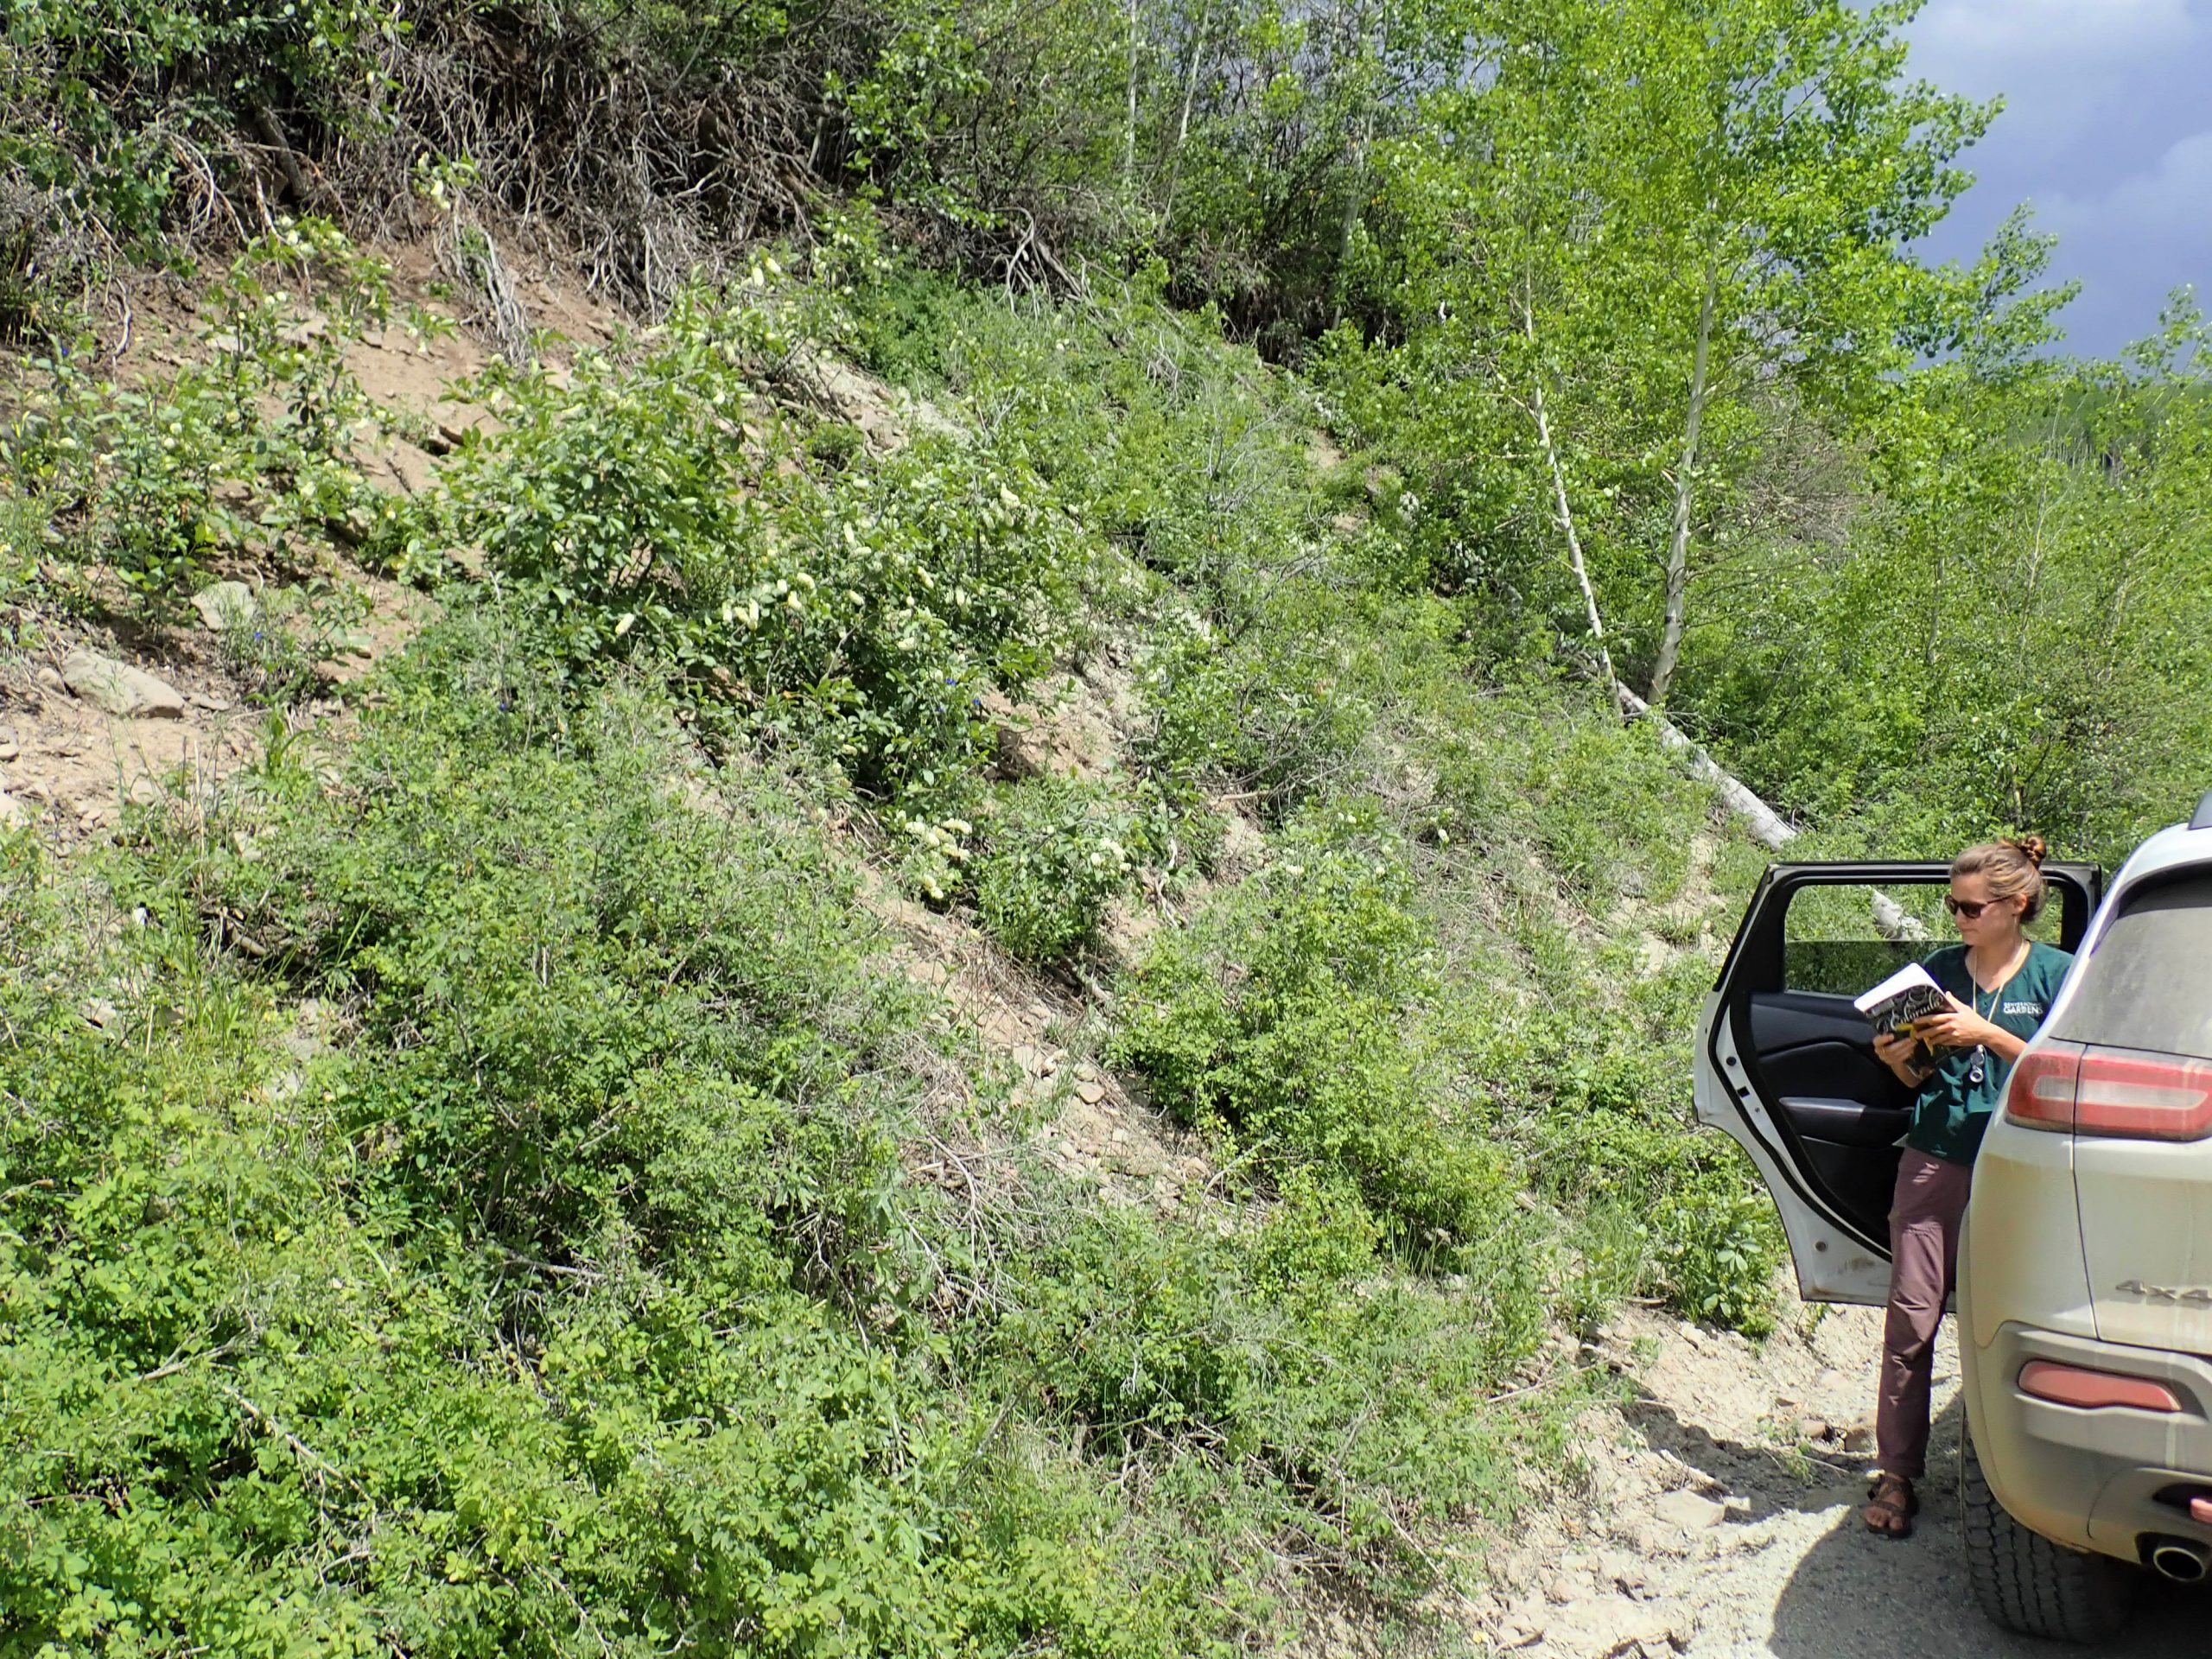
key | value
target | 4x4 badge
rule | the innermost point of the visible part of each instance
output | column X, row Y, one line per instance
column 2164, row 1292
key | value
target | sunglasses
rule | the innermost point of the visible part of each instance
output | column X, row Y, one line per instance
column 1970, row 909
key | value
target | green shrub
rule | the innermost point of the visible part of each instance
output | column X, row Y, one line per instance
column 639, row 507
column 148, row 481
column 124, row 97
column 1295, row 1352
column 1270, row 712
column 1055, row 851
column 592, row 1004
column 1285, row 1016
column 558, row 1289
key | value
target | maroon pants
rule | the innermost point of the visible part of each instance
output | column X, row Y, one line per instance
column 1924, row 1217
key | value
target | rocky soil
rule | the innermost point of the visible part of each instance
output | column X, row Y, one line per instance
column 1718, row 1517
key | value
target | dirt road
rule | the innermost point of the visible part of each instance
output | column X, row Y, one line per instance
column 1722, row 1520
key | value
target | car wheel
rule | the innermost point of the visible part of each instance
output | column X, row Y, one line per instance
column 2025, row 1582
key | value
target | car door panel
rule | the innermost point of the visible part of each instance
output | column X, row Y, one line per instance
column 1846, row 1122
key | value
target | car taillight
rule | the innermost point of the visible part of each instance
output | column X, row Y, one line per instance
column 2041, row 1093
column 2100, row 1091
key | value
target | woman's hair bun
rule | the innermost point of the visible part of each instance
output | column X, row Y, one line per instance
column 2032, row 848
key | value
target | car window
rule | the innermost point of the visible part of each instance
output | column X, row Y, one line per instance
column 1832, row 944
column 2149, row 984
column 1835, row 942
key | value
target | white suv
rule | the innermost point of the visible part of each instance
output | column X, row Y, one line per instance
column 2085, row 1282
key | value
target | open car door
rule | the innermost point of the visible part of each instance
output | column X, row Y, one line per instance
column 1786, row 1065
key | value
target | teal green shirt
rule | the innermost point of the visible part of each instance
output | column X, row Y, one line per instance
column 1952, row 1112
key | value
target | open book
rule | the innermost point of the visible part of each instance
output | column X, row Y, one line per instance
column 1907, row 996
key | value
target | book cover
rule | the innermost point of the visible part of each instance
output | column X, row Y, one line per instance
column 1906, row 996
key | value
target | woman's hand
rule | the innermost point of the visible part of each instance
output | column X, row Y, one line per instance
column 1960, row 1027
column 1896, row 1050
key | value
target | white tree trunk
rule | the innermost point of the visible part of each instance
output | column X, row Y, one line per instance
column 1678, row 546
column 1565, row 509
column 1183, row 119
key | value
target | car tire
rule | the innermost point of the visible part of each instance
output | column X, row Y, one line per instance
column 2025, row 1582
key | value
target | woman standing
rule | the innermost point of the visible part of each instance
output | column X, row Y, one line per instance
column 2000, row 984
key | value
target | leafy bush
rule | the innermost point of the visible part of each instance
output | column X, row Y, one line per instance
column 1283, row 1018
column 642, row 510
column 587, row 996
column 146, row 481
column 1295, row 1352
column 1055, row 851
column 512, row 1244
column 556, row 1285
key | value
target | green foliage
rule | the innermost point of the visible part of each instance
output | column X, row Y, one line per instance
column 510, row 1242
column 1286, row 657
column 277, row 653
column 144, row 482
column 1923, row 693
column 1283, row 1021
column 642, row 509
column 121, row 110
column 1055, row 851
column 490, row 1194
column 554, row 1285
column 1291, row 1352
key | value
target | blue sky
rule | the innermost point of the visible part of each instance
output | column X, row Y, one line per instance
column 2107, row 131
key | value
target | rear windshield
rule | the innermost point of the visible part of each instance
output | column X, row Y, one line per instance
column 2150, row 983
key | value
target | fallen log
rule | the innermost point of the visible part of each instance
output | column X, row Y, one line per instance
column 1767, row 826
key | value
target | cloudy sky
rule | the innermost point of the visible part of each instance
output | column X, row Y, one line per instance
column 2107, row 130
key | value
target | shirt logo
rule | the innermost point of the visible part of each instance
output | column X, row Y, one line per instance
column 2034, row 1008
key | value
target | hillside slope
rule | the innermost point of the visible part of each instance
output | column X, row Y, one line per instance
column 916, row 1011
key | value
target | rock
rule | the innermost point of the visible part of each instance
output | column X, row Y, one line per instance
column 210, row 701
column 1243, row 846
column 98, row 1011
column 1688, row 1512
column 119, row 689
column 9, row 747
column 1090, row 1093
column 1560, row 1591
column 305, row 1040
column 1626, row 1573
column 225, row 605
column 1859, row 1438
column 50, row 681
column 1812, row 1428
column 14, row 815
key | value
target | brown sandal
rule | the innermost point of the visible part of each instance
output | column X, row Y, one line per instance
column 1890, row 1513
